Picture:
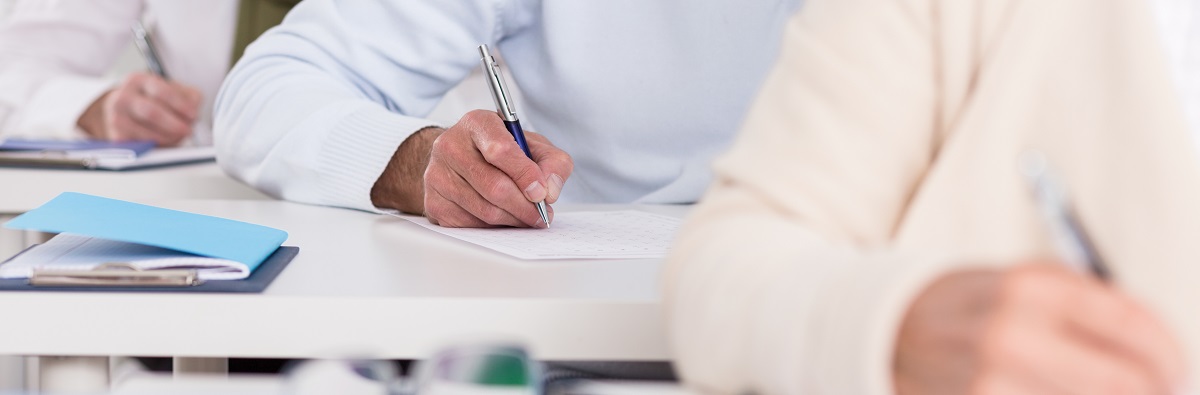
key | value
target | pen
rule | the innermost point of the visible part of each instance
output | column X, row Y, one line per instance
column 1074, row 245
column 145, row 45
column 508, row 112
column 1072, row 241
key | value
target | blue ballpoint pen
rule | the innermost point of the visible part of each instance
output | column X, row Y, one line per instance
column 508, row 112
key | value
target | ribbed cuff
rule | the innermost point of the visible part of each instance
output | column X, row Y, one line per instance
column 357, row 152
column 857, row 323
column 54, row 111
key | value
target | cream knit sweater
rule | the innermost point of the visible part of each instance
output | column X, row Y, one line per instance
column 882, row 154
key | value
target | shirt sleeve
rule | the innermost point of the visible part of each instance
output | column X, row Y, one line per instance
column 317, row 107
column 783, row 280
column 53, row 55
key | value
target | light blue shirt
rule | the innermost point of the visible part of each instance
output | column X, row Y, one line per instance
column 642, row 93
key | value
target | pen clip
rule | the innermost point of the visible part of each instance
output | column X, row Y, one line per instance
column 499, row 89
column 117, row 274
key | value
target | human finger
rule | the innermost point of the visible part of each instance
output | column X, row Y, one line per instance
column 152, row 115
column 443, row 212
column 123, row 127
column 1115, row 321
column 470, row 199
column 178, row 98
column 555, row 163
column 489, row 186
column 498, row 148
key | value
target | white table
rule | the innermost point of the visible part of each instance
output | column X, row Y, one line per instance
column 363, row 284
column 25, row 189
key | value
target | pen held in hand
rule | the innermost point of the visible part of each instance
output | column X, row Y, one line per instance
column 508, row 112
column 145, row 45
column 1071, row 239
column 1075, row 247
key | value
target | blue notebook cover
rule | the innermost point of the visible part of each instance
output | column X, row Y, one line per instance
column 138, row 147
column 112, row 219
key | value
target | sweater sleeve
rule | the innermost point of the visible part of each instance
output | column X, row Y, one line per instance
column 783, row 281
column 318, row 105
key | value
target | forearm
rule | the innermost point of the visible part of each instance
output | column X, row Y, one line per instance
column 315, row 110
column 402, row 184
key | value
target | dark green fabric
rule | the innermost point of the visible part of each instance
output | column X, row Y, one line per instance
column 254, row 18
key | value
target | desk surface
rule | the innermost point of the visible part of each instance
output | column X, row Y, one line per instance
column 363, row 284
column 26, row 189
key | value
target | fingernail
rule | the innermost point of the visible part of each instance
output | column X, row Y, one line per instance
column 535, row 192
column 556, row 184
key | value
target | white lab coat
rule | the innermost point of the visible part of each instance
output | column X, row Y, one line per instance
column 54, row 55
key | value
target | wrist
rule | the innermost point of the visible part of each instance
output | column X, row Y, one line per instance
column 402, row 184
column 92, row 120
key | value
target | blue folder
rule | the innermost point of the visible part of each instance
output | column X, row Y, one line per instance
column 254, row 245
column 118, row 220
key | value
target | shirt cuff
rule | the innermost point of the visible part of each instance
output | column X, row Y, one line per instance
column 53, row 111
column 360, row 148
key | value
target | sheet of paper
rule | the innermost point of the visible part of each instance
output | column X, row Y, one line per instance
column 74, row 252
column 625, row 234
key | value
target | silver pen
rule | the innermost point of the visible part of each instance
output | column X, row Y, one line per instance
column 145, row 45
column 507, row 112
column 1072, row 241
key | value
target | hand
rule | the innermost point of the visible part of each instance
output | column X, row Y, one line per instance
column 479, row 177
column 1033, row 329
column 143, row 107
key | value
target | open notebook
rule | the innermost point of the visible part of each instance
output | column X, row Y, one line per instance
column 73, row 252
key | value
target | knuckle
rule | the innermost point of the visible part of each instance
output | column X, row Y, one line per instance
column 440, row 145
column 493, row 215
column 478, row 116
column 498, row 150
column 496, row 190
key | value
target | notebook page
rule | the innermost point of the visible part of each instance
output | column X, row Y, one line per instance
column 74, row 252
column 577, row 235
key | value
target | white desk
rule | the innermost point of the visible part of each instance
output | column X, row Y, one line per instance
column 363, row 284
column 25, row 189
